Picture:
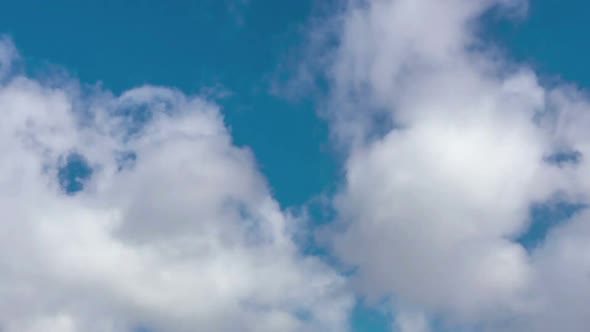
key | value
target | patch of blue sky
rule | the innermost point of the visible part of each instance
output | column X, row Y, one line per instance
column 544, row 218
column 73, row 173
column 370, row 318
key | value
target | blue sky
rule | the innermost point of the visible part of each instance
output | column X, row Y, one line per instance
column 236, row 51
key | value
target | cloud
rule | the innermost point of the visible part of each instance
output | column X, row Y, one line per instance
column 448, row 147
column 411, row 322
column 8, row 56
column 171, row 227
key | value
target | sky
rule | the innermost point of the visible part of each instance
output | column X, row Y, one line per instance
column 343, row 165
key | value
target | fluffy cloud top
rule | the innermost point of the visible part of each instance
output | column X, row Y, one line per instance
column 174, row 229
column 448, row 148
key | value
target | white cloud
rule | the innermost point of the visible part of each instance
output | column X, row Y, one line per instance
column 446, row 144
column 7, row 56
column 411, row 322
column 183, row 236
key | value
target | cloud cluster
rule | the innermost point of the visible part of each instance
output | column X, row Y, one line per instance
column 170, row 227
column 448, row 147
column 137, row 210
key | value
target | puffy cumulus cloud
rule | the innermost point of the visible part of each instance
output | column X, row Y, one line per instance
column 174, row 229
column 448, row 147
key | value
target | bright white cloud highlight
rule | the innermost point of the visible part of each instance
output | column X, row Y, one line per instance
column 175, row 230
